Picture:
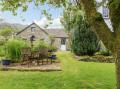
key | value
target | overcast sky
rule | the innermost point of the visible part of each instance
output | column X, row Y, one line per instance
column 33, row 14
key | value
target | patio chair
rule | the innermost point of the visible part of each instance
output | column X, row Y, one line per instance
column 25, row 54
column 43, row 54
column 35, row 55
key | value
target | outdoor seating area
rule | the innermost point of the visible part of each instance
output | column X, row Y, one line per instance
column 39, row 57
column 40, row 60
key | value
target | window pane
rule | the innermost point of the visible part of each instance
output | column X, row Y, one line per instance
column 105, row 11
column 32, row 29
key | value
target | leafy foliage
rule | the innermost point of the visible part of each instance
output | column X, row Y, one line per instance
column 14, row 5
column 53, row 48
column 105, row 53
column 40, row 45
column 2, row 51
column 6, row 32
column 2, row 42
column 13, row 47
column 69, row 16
column 84, row 40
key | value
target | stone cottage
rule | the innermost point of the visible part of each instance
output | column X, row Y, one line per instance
column 34, row 30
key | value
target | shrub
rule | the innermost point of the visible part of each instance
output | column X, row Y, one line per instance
column 53, row 48
column 13, row 48
column 2, row 42
column 105, row 53
column 2, row 51
column 40, row 45
column 83, row 41
column 6, row 32
column 97, row 58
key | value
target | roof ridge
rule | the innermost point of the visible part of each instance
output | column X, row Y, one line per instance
column 36, row 25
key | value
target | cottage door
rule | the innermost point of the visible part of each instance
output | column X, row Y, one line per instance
column 63, row 44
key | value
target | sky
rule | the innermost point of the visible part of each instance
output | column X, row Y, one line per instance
column 34, row 14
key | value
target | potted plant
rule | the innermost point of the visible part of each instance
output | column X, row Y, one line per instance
column 5, row 61
column 6, row 33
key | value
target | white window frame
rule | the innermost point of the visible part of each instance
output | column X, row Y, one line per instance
column 105, row 12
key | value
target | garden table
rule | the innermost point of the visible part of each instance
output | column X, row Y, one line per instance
column 41, row 55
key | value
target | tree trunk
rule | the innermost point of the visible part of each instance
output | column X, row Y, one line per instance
column 97, row 22
column 111, row 40
column 118, row 70
column 118, row 58
column 118, row 67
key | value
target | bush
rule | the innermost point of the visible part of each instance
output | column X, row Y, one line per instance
column 97, row 58
column 2, row 51
column 40, row 45
column 6, row 32
column 2, row 42
column 83, row 41
column 13, row 48
column 53, row 48
column 105, row 53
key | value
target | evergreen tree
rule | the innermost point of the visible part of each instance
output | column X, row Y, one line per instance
column 84, row 40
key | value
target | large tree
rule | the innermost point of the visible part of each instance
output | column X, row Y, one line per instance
column 110, row 39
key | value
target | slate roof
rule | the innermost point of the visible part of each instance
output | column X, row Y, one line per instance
column 58, row 33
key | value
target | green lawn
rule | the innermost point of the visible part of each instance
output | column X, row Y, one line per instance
column 75, row 75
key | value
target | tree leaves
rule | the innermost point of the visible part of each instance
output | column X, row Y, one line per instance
column 84, row 40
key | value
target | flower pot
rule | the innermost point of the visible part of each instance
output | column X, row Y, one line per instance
column 6, row 62
column 53, row 57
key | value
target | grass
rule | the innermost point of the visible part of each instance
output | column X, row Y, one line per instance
column 75, row 75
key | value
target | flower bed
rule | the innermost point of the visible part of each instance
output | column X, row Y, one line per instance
column 96, row 58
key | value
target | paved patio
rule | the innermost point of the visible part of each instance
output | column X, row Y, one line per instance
column 55, row 66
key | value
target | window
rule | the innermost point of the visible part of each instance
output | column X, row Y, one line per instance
column 105, row 12
column 63, row 41
column 33, row 29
